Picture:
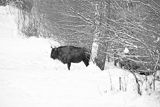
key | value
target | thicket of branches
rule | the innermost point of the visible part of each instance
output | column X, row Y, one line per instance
column 112, row 24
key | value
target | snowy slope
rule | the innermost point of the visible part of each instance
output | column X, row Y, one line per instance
column 30, row 78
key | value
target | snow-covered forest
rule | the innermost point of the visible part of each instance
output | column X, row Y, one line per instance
column 126, row 31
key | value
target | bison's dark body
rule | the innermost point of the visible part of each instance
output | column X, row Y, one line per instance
column 71, row 54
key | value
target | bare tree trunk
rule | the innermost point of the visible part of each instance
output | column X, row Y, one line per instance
column 101, row 57
column 154, row 79
column 94, row 47
column 138, row 85
column 155, row 72
column 120, row 84
column 110, row 81
column 108, row 58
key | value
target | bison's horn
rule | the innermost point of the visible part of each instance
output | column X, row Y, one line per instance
column 53, row 47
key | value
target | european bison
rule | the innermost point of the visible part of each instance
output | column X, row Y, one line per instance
column 71, row 54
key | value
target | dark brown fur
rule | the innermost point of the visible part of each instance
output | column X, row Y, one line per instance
column 71, row 54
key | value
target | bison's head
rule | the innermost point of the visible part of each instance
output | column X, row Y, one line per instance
column 54, row 53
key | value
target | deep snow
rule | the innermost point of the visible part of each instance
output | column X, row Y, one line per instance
column 30, row 78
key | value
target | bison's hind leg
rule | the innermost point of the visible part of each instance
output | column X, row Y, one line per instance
column 69, row 65
column 86, row 59
column 86, row 62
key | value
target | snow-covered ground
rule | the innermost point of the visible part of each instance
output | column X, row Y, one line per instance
column 30, row 78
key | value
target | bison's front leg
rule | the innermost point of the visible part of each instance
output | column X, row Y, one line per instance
column 69, row 65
